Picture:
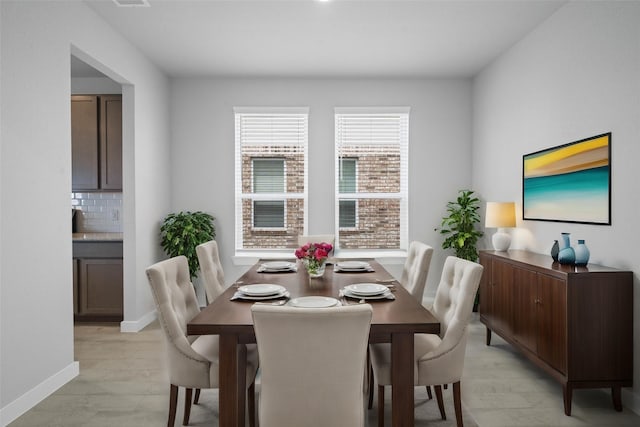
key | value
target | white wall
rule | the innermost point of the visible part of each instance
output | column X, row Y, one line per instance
column 575, row 76
column 36, row 339
column 203, row 146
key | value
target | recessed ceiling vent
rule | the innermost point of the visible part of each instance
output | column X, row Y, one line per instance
column 132, row 3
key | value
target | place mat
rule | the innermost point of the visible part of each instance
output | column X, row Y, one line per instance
column 345, row 294
column 264, row 268
column 352, row 270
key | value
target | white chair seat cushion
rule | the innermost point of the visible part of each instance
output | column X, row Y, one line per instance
column 208, row 346
column 424, row 344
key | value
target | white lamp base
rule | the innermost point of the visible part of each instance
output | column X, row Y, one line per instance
column 501, row 240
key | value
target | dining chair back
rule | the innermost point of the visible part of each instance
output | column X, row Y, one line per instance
column 312, row 364
column 316, row 238
column 416, row 269
column 192, row 361
column 211, row 269
column 439, row 358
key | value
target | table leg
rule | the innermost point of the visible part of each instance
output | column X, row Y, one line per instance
column 231, row 399
column 402, row 379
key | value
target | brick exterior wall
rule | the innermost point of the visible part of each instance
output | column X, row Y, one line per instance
column 378, row 220
column 294, row 208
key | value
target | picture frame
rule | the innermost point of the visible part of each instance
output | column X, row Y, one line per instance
column 569, row 182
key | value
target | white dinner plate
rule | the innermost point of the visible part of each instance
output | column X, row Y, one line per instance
column 366, row 289
column 353, row 265
column 383, row 295
column 261, row 289
column 314, row 302
column 240, row 295
column 278, row 265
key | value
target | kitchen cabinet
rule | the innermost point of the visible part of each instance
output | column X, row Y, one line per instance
column 98, row 281
column 96, row 142
column 576, row 323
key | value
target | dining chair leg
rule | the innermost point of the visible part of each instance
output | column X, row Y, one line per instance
column 380, row 406
column 440, row 401
column 173, row 403
column 457, row 404
column 187, row 406
column 251, row 402
column 371, row 382
column 196, row 399
column 429, row 392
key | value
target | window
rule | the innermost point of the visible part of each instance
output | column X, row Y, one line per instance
column 347, row 184
column 271, row 177
column 372, row 178
column 268, row 177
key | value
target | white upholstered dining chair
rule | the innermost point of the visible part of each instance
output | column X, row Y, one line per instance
column 192, row 361
column 316, row 238
column 416, row 269
column 312, row 365
column 211, row 269
column 439, row 358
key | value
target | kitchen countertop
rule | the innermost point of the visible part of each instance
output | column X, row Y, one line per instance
column 97, row 237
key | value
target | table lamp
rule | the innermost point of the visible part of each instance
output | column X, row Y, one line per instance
column 500, row 215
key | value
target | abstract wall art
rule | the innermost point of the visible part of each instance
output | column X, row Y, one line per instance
column 569, row 183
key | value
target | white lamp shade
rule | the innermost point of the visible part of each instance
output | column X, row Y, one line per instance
column 500, row 215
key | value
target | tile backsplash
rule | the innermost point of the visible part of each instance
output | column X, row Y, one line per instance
column 98, row 211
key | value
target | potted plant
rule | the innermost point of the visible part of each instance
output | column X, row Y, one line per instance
column 459, row 227
column 181, row 232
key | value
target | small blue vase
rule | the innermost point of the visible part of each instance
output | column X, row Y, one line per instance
column 566, row 255
column 581, row 253
column 555, row 249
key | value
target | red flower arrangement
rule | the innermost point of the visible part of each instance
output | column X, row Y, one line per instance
column 314, row 255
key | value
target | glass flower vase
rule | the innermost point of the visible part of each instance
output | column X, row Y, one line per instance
column 314, row 268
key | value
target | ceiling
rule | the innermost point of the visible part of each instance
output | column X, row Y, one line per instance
column 337, row 38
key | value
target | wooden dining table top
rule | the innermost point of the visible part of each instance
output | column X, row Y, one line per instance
column 401, row 314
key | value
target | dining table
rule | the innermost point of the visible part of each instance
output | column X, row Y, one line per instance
column 393, row 321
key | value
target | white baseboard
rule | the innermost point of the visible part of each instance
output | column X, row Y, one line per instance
column 631, row 400
column 137, row 325
column 37, row 394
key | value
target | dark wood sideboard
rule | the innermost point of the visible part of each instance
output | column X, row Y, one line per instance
column 576, row 323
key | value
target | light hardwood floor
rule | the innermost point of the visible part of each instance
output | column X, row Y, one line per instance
column 121, row 383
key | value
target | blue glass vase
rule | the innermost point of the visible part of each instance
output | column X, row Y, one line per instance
column 566, row 255
column 581, row 253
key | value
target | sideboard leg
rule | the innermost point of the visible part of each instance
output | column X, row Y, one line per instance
column 616, row 394
column 488, row 336
column 567, row 392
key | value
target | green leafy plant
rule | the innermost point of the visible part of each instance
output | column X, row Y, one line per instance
column 459, row 226
column 181, row 232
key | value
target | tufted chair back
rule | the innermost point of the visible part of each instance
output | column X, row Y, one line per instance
column 453, row 306
column 313, row 364
column 211, row 268
column 416, row 269
column 317, row 238
column 176, row 305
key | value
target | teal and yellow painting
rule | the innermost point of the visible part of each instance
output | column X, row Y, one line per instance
column 569, row 183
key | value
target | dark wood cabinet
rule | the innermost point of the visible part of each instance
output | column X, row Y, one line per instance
column 96, row 142
column 84, row 142
column 100, row 287
column 576, row 323
column 98, row 281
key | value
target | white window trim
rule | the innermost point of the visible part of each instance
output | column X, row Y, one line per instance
column 403, row 194
column 255, row 254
